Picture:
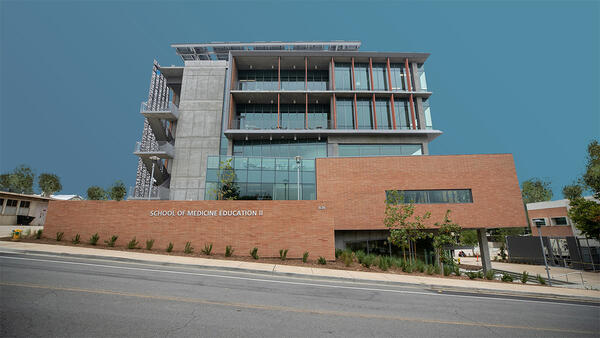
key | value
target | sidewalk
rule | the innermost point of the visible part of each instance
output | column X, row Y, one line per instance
column 592, row 279
column 442, row 284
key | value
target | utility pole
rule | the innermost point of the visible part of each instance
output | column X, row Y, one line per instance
column 539, row 227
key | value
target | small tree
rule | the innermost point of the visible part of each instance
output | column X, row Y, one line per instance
column 403, row 231
column 96, row 193
column 536, row 190
column 447, row 234
column 228, row 188
column 49, row 184
column 469, row 237
column 117, row 191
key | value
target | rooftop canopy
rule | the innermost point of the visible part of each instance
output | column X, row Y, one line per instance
column 220, row 50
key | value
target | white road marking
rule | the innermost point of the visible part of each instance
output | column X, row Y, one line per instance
column 298, row 283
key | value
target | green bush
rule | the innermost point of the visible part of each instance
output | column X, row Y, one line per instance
column 305, row 257
column 170, row 247
column 94, row 239
column 347, row 257
column 479, row 274
column 408, row 267
column 254, row 253
column 112, row 241
column 397, row 262
column 506, row 277
column 436, row 269
column 419, row 266
column 38, row 234
column 524, row 277
column 75, row 240
column 383, row 262
column 188, row 249
column 149, row 244
column 283, row 254
column 471, row 274
column 430, row 269
column 133, row 244
column 447, row 270
column 540, row 279
column 207, row 249
column 368, row 260
column 489, row 275
column 59, row 236
column 338, row 253
column 228, row 251
column 360, row 255
column 322, row 260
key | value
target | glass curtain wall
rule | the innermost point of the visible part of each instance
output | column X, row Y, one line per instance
column 285, row 148
column 292, row 116
column 361, row 73
column 345, row 113
column 427, row 113
column 384, row 114
column 258, row 80
column 292, row 80
column 364, row 112
column 343, row 76
column 380, row 79
column 402, row 112
column 318, row 79
column 318, row 116
column 422, row 78
column 430, row 196
column 350, row 150
column 398, row 76
column 256, row 116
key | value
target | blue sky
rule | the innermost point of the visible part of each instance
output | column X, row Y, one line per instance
column 508, row 77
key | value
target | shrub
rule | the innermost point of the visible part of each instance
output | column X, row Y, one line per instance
column 457, row 272
column 170, row 247
column 27, row 233
column 112, row 241
column 436, row 269
column 338, row 253
column 149, row 244
column 254, row 253
column 524, row 277
column 283, row 254
column 228, row 251
column 471, row 274
column 397, row 262
column 420, row 266
column 347, row 257
column 133, row 244
column 322, row 260
column 38, row 234
column 368, row 260
column 75, row 240
column 408, row 267
column 447, row 270
column 188, row 249
column 479, row 274
column 94, row 239
column 383, row 262
column 540, row 279
column 59, row 236
column 506, row 277
column 489, row 275
column 305, row 257
column 360, row 256
column 207, row 249
column 430, row 269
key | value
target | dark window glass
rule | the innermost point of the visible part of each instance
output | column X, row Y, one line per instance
column 560, row 220
column 539, row 221
column 343, row 76
column 345, row 113
column 256, row 116
column 403, row 116
column 429, row 196
column 258, row 79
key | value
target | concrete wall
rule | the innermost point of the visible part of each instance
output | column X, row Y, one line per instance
column 295, row 225
column 198, row 128
column 334, row 141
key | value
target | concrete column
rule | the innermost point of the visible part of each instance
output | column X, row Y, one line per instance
column 420, row 113
column 484, row 249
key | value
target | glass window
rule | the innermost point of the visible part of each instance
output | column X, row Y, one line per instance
column 403, row 116
column 318, row 116
column 361, row 74
column 384, row 114
column 24, row 208
column 256, row 116
column 317, row 79
column 343, row 76
column 364, row 114
column 345, row 113
column 427, row 113
column 539, row 221
column 258, row 79
column 429, row 196
column 380, row 78
column 292, row 80
column 398, row 76
column 422, row 79
column 559, row 221
column 11, row 207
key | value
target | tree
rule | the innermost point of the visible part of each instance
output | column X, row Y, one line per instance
column 404, row 232
column 96, row 193
column 446, row 235
column 536, row 190
column 49, row 184
column 228, row 189
column 117, row 191
column 20, row 180
column 469, row 237
column 585, row 213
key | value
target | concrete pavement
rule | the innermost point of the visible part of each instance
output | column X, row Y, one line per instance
column 317, row 273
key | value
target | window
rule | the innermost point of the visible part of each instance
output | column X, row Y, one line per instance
column 318, row 116
column 361, row 74
column 364, row 114
column 422, row 79
column 292, row 80
column 345, row 113
column 317, row 79
column 1, row 204
column 292, row 116
column 427, row 113
column 343, row 76
column 384, row 114
column 398, row 77
column 403, row 117
column 24, row 208
column 429, row 196
column 350, row 150
column 559, row 221
column 11, row 207
column 539, row 221
column 380, row 79
column 259, row 80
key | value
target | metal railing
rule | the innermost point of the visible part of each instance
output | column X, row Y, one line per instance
column 163, row 147
column 243, row 124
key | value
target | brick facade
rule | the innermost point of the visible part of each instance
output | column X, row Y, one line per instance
column 551, row 230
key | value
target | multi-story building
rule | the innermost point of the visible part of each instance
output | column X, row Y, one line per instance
column 273, row 108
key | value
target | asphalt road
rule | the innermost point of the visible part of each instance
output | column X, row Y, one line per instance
column 60, row 296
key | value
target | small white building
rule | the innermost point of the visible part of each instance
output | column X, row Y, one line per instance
column 17, row 209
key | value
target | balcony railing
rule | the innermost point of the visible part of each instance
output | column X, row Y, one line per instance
column 165, row 150
column 166, row 110
column 244, row 124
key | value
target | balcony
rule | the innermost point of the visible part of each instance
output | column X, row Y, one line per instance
column 168, row 111
column 165, row 151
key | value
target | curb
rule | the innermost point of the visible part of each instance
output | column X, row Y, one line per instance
column 431, row 287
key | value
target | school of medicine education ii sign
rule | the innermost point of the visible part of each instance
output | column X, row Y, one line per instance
column 206, row 213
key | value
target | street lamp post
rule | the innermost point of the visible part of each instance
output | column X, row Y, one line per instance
column 153, row 159
column 298, row 162
column 539, row 227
